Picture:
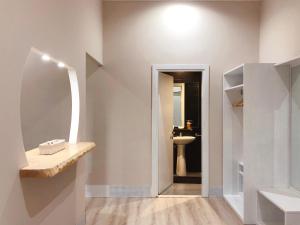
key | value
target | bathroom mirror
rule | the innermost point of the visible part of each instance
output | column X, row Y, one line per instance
column 46, row 100
column 295, row 129
column 179, row 106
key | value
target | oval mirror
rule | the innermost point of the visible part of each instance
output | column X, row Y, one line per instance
column 46, row 100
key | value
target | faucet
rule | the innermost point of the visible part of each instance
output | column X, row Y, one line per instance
column 180, row 134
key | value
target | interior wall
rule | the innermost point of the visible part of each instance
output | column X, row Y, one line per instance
column 66, row 30
column 136, row 35
column 279, row 32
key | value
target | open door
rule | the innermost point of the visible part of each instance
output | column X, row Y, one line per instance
column 165, row 151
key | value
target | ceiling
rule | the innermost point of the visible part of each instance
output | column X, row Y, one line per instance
column 183, row 0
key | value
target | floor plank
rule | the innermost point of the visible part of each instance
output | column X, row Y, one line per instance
column 159, row 211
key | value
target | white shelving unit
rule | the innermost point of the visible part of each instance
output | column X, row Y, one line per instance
column 233, row 121
column 235, row 88
column 236, row 201
column 279, row 206
column 255, row 114
column 280, row 203
column 291, row 62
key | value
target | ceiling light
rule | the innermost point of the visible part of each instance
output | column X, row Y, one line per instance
column 45, row 57
column 61, row 65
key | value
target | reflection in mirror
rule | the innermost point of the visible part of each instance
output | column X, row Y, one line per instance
column 295, row 133
column 179, row 106
column 46, row 102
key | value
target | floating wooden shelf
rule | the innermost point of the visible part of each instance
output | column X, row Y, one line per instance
column 50, row 165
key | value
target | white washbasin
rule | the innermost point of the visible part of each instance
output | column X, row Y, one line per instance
column 183, row 140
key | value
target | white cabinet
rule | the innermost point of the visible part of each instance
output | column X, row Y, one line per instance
column 280, row 204
column 255, row 134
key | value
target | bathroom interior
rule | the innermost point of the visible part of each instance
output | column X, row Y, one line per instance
column 80, row 101
column 186, row 134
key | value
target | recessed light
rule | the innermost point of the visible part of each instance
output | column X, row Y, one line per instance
column 45, row 57
column 61, row 65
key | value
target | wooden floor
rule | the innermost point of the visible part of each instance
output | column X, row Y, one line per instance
column 159, row 211
column 183, row 189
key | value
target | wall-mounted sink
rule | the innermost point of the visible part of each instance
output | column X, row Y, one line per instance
column 181, row 141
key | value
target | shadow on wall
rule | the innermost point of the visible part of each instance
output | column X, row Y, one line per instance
column 93, row 116
column 41, row 194
column 91, row 65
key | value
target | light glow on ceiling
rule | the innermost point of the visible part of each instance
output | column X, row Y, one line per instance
column 46, row 57
column 61, row 65
column 181, row 18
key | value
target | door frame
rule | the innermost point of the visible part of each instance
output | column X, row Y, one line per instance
column 156, row 69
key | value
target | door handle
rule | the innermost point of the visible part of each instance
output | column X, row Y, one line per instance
column 198, row 135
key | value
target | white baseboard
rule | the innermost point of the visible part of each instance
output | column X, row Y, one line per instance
column 218, row 191
column 93, row 191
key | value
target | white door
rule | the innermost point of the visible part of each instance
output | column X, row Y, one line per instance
column 165, row 160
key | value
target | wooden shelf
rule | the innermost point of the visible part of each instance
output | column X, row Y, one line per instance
column 46, row 166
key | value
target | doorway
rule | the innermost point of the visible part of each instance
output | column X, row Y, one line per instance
column 169, row 118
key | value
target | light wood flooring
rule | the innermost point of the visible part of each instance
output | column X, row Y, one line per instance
column 183, row 189
column 159, row 211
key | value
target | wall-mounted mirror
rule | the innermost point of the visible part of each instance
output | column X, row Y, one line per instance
column 295, row 129
column 46, row 100
column 179, row 106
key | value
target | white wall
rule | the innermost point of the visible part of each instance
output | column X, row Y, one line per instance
column 66, row 29
column 135, row 37
column 279, row 32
